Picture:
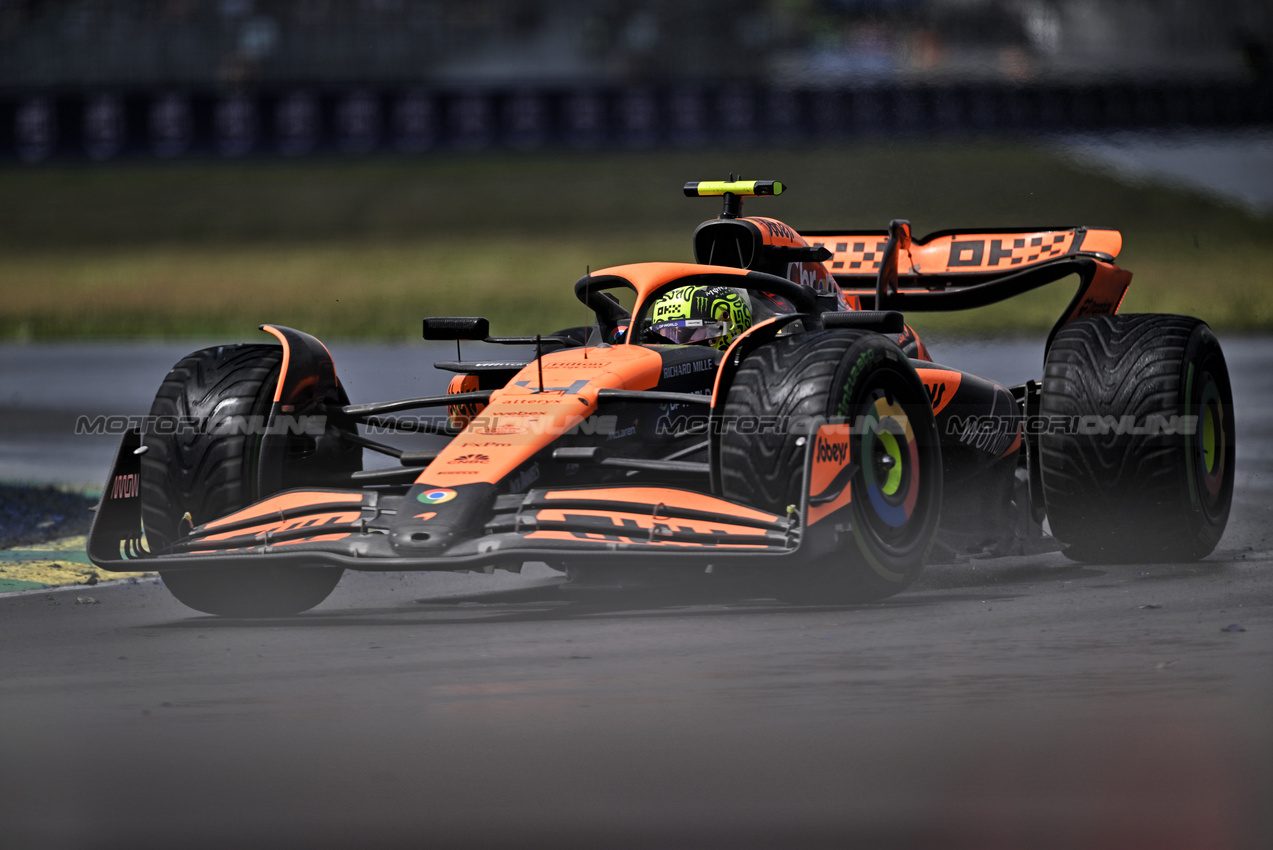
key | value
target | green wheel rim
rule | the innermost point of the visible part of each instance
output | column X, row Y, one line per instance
column 1212, row 445
column 892, row 452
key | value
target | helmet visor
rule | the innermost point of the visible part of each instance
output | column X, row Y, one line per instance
column 688, row 331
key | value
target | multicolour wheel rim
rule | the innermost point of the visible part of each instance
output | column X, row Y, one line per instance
column 890, row 462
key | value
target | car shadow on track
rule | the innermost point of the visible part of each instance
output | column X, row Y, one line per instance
column 560, row 602
column 554, row 599
column 997, row 572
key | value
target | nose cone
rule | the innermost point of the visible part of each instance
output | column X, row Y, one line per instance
column 433, row 519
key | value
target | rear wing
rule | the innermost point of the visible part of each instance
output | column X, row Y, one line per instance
column 963, row 269
column 960, row 257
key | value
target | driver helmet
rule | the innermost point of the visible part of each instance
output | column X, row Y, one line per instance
column 696, row 315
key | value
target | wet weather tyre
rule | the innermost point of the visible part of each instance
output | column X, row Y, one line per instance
column 850, row 377
column 207, row 467
column 1143, row 469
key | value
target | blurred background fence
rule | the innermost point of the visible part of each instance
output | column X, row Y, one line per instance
column 98, row 80
column 577, row 121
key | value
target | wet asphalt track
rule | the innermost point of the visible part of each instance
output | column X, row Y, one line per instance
column 1025, row 702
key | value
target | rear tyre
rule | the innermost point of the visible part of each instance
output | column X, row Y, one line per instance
column 851, row 377
column 209, row 467
column 1161, row 489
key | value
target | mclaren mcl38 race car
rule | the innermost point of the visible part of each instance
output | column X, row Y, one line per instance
column 765, row 410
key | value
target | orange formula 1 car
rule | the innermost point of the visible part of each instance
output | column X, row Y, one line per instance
column 765, row 409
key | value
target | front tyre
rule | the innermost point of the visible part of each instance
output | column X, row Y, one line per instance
column 1140, row 466
column 209, row 466
column 862, row 379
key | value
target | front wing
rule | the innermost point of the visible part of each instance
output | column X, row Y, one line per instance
column 355, row 529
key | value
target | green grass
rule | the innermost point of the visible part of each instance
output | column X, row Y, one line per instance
column 331, row 289
column 367, row 248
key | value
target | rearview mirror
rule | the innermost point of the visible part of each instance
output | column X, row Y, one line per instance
column 456, row 327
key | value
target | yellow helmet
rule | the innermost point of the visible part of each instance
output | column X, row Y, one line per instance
column 690, row 315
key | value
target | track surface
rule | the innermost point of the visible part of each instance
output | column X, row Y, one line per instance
column 1024, row 702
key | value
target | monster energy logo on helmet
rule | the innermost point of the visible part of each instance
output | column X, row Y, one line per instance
column 697, row 314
